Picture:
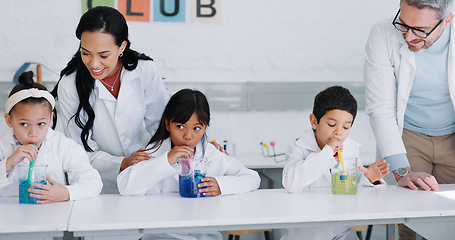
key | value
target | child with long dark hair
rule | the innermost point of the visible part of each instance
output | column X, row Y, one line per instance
column 181, row 133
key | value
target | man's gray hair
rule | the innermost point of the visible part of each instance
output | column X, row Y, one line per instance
column 443, row 7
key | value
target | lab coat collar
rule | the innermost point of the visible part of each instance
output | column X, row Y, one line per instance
column 308, row 141
column 125, row 88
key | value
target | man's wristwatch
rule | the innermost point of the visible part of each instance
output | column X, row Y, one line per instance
column 401, row 172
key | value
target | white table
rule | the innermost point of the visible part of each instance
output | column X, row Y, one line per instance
column 112, row 215
column 34, row 221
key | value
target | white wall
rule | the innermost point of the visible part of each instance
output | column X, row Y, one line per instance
column 257, row 40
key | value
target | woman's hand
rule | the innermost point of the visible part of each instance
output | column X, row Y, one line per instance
column 49, row 193
column 134, row 158
column 209, row 187
column 219, row 147
column 29, row 151
column 179, row 151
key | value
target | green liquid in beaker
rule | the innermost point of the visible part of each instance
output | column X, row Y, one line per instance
column 344, row 183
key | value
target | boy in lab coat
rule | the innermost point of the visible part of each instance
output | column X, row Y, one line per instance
column 311, row 157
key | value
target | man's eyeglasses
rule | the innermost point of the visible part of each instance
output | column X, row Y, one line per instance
column 405, row 28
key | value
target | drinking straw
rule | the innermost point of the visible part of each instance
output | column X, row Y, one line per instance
column 29, row 180
column 341, row 160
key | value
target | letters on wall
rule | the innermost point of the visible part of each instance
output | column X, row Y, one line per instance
column 199, row 11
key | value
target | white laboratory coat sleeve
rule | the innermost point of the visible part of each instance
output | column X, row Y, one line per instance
column 5, row 177
column 140, row 178
column 84, row 181
column 122, row 125
column 381, row 88
column 304, row 168
column 236, row 178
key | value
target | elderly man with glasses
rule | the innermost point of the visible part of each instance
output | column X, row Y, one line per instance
column 410, row 92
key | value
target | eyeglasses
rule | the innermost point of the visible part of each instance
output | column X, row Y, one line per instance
column 417, row 32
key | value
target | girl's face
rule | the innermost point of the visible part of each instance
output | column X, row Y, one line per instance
column 100, row 54
column 334, row 124
column 30, row 122
column 186, row 134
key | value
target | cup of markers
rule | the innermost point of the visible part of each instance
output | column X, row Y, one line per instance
column 35, row 173
column 344, row 175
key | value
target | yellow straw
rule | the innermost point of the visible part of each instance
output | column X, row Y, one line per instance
column 341, row 160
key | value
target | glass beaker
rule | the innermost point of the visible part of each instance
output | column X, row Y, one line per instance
column 192, row 170
column 27, row 177
column 344, row 176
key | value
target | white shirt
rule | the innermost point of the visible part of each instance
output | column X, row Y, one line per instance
column 307, row 166
column 123, row 125
column 157, row 176
column 389, row 71
column 61, row 155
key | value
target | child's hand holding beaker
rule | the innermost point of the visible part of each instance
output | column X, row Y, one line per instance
column 209, row 187
column 179, row 151
column 49, row 193
column 376, row 170
column 29, row 151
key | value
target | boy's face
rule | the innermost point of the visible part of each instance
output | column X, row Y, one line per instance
column 30, row 122
column 334, row 124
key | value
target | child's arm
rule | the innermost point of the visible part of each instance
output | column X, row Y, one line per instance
column 83, row 180
column 376, row 170
column 29, row 151
column 303, row 168
column 229, row 175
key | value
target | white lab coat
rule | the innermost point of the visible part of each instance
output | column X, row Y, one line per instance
column 307, row 166
column 156, row 176
column 389, row 72
column 121, row 125
column 61, row 155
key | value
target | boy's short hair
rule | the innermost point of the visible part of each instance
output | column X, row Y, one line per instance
column 335, row 97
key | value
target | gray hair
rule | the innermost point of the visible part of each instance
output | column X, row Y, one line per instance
column 443, row 7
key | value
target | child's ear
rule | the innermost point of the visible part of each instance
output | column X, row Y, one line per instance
column 313, row 121
column 8, row 120
column 167, row 124
column 52, row 116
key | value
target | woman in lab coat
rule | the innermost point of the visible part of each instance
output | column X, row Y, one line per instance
column 110, row 96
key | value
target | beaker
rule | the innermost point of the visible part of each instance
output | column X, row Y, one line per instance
column 28, row 176
column 344, row 176
column 192, row 171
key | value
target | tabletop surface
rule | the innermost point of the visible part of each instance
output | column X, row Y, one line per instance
column 276, row 208
column 20, row 218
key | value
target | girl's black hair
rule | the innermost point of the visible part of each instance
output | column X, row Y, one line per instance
column 106, row 20
column 179, row 109
column 26, row 82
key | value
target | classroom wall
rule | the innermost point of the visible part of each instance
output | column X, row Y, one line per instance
column 256, row 41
